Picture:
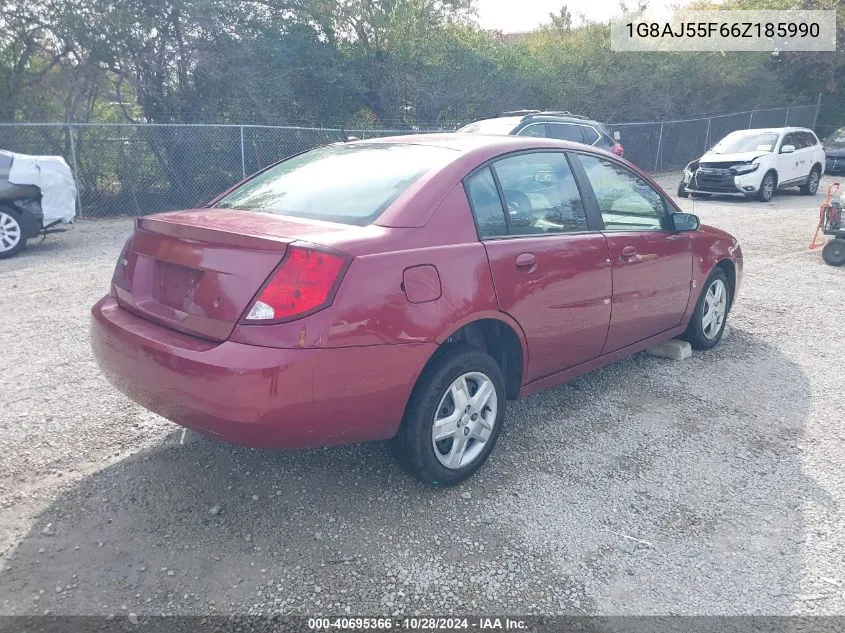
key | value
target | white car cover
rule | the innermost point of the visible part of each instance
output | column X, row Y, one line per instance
column 53, row 177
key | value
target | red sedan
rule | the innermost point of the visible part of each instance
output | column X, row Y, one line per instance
column 405, row 288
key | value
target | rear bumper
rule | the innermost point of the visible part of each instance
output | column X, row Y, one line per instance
column 257, row 396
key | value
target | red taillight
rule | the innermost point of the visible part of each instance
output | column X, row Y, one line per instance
column 304, row 283
column 618, row 149
column 120, row 268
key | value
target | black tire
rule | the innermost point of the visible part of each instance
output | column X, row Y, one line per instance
column 682, row 190
column 695, row 332
column 812, row 185
column 413, row 445
column 10, row 220
column 767, row 186
column 833, row 252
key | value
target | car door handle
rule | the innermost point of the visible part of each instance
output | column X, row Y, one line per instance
column 525, row 260
column 629, row 252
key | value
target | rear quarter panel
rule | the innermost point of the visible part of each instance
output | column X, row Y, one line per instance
column 371, row 307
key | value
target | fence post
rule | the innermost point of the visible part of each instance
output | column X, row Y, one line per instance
column 818, row 106
column 707, row 136
column 659, row 143
column 750, row 118
column 75, row 168
column 243, row 160
column 786, row 122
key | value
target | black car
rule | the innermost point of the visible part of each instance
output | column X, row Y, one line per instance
column 552, row 124
column 834, row 152
column 21, row 216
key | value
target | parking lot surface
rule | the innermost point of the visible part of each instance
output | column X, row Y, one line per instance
column 712, row 485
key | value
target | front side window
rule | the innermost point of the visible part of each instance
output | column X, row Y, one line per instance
column 541, row 194
column 627, row 202
column 348, row 183
column 791, row 139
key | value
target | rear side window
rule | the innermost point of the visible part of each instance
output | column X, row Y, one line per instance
column 627, row 202
column 590, row 134
column 486, row 205
column 566, row 132
column 541, row 195
column 349, row 183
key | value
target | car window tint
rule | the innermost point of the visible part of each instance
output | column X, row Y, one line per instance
column 809, row 139
column 486, row 205
column 541, row 194
column 627, row 202
column 590, row 134
column 534, row 129
column 790, row 139
column 566, row 132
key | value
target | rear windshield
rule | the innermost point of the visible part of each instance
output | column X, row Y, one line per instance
column 351, row 184
column 737, row 142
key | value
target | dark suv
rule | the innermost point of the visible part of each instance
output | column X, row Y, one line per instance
column 555, row 124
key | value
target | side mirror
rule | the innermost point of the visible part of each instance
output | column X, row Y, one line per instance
column 787, row 149
column 685, row 222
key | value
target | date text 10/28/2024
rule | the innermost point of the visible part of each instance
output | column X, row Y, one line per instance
column 416, row 624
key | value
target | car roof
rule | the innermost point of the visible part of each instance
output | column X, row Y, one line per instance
column 415, row 206
column 771, row 130
column 538, row 116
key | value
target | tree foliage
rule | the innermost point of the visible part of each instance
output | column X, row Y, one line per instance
column 366, row 62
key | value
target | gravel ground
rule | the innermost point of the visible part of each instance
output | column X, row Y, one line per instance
column 708, row 486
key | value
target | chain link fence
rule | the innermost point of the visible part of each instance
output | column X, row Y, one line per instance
column 135, row 169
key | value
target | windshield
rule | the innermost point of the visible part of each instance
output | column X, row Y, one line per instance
column 504, row 125
column 737, row 142
column 837, row 137
column 350, row 184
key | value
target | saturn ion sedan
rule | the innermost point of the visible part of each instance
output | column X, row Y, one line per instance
column 405, row 289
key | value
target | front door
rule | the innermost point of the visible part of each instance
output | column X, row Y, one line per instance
column 550, row 266
column 789, row 165
column 652, row 265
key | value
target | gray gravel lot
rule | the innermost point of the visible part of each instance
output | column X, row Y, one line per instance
column 713, row 485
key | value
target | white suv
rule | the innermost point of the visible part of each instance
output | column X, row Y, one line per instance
column 756, row 163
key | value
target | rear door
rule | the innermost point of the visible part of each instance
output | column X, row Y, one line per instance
column 550, row 263
column 652, row 265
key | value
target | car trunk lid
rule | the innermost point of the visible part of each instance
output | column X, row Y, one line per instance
column 198, row 271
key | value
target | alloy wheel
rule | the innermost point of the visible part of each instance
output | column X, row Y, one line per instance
column 10, row 232
column 715, row 309
column 464, row 420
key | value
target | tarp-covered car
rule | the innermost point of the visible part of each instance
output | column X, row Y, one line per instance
column 37, row 193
